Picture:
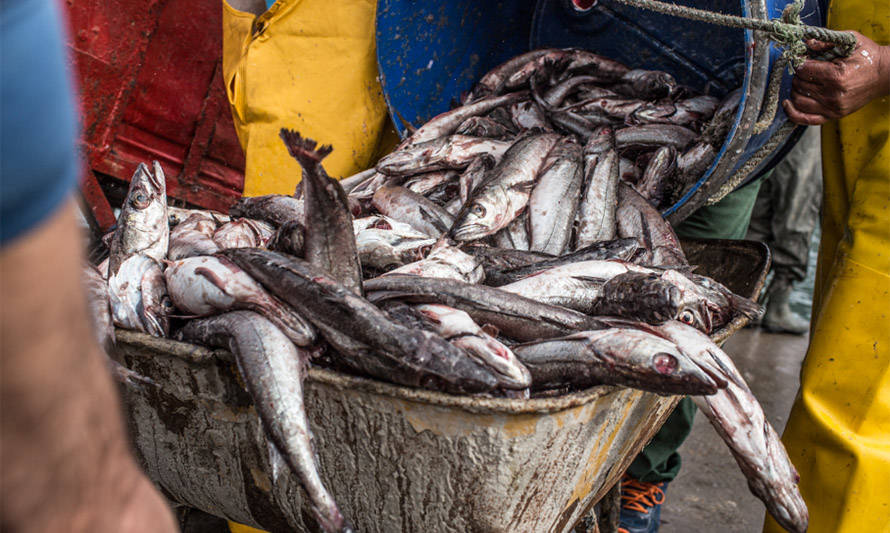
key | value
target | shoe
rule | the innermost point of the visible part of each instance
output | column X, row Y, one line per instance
column 640, row 505
column 779, row 318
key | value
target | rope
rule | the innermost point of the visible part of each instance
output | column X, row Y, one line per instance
column 762, row 153
column 788, row 32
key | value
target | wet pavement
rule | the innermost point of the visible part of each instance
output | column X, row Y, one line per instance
column 710, row 494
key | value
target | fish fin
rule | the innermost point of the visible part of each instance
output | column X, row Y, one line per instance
column 276, row 461
column 406, row 124
column 304, row 150
column 746, row 307
column 591, row 279
column 523, row 186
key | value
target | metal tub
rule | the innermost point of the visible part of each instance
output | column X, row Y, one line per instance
column 398, row 459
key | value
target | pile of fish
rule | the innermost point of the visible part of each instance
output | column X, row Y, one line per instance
column 511, row 246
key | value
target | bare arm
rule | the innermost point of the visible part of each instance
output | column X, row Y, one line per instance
column 65, row 464
column 825, row 90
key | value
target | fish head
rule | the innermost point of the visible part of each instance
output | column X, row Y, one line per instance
column 494, row 355
column 651, row 361
column 476, row 220
column 146, row 187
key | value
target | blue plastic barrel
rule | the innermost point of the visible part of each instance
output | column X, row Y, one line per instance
column 431, row 52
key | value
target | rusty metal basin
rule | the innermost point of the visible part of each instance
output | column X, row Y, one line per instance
column 395, row 458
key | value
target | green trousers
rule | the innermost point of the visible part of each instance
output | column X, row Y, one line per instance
column 728, row 219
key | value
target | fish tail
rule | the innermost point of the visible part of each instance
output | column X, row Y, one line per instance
column 745, row 306
column 305, row 150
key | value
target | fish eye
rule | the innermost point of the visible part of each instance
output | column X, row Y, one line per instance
column 478, row 210
column 140, row 200
column 167, row 303
column 687, row 317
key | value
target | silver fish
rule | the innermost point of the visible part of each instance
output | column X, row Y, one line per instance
column 273, row 370
column 658, row 176
column 646, row 84
column 692, row 164
column 638, row 219
column 653, row 136
column 365, row 338
column 738, row 418
column 596, row 213
column 556, row 94
column 613, row 356
column 137, row 294
column 351, row 182
column 572, row 285
column 459, row 329
column 587, row 63
column 330, row 244
column 445, row 261
column 452, row 152
column 386, row 244
column 505, row 192
column 543, row 65
column 411, row 208
column 446, row 123
column 142, row 226
column 554, row 200
column 618, row 249
column 474, row 175
column 527, row 115
column 427, row 183
column 493, row 81
column 207, row 285
column 243, row 233
column 175, row 215
column 515, row 316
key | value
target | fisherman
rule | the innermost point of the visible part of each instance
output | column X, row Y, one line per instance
column 65, row 464
column 840, row 424
column 785, row 216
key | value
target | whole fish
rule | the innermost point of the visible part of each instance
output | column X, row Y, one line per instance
column 208, row 285
column 604, row 69
column 273, row 370
column 515, row 316
column 573, row 285
column 447, row 122
column 243, row 233
column 366, row 189
column 365, row 338
column 638, row 219
column 289, row 238
column 142, row 226
column 445, row 261
column 505, row 192
column 451, row 152
column 137, row 295
column 411, row 208
column 459, row 329
column 545, row 65
column 618, row 249
column 276, row 209
column 646, row 84
column 657, row 178
column 483, row 127
column 554, row 200
column 684, row 112
column 493, row 81
column 330, row 245
column 653, row 136
column 738, row 418
column 384, row 250
column 193, row 236
column 597, row 211
column 610, row 107
column 613, row 356
column 96, row 289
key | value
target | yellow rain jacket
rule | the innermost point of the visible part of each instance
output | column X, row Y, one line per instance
column 309, row 65
column 838, row 435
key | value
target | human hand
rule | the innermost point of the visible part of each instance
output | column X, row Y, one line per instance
column 825, row 90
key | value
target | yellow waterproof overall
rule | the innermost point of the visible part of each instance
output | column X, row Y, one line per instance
column 309, row 65
column 838, row 435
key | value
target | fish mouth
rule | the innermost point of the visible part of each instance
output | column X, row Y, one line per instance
column 468, row 232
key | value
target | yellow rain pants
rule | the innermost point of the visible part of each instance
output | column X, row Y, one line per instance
column 310, row 65
column 838, row 434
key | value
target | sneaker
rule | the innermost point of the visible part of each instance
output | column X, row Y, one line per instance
column 640, row 505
